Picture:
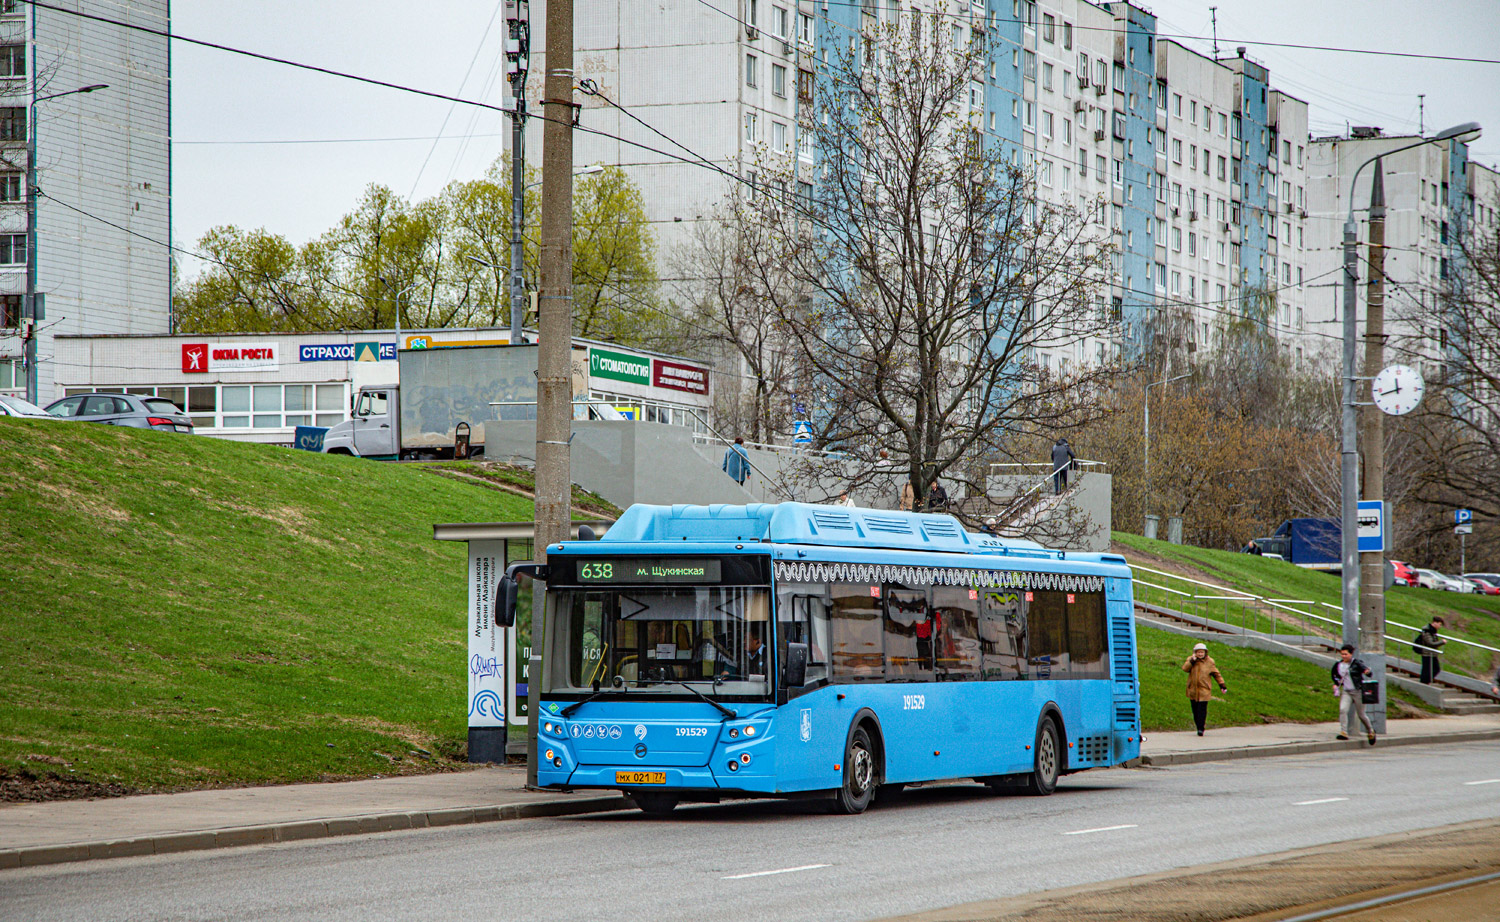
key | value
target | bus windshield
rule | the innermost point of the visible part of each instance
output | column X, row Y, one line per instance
column 713, row 638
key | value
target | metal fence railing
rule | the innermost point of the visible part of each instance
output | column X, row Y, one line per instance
column 1293, row 621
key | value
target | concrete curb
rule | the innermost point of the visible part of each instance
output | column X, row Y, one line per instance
column 302, row 829
column 459, row 816
column 1292, row 749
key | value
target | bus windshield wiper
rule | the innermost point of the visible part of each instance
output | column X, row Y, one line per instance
column 568, row 711
column 728, row 714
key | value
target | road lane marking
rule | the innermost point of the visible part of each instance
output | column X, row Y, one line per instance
column 1485, row 781
column 1325, row 800
column 805, row 867
column 1084, row 832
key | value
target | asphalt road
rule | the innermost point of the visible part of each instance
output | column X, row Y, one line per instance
column 926, row 849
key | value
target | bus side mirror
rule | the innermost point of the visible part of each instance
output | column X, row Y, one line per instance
column 796, row 665
column 505, row 601
column 509, row 588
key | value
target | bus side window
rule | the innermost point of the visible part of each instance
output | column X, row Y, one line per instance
column 1047, row 623
column 908, row 635
column 1002, row 634
column 956, row 613
column 1086, row 636
column 858, row 651
column 802, row 617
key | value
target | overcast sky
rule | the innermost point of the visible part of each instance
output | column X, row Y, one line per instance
column 265, row 145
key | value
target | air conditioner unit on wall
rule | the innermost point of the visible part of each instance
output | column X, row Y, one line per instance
column 1079, row 105
column 1100, row 89
column 1099, row 134
column 1192, row 216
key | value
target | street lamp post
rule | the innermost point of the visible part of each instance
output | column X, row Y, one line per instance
column 1146, row 504
column 405, row 291
column 1367, row 633
column 31, row 196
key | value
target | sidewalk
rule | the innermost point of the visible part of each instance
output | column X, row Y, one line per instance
column 61, row 831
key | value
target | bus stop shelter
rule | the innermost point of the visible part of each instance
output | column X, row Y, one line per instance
column 498, row 659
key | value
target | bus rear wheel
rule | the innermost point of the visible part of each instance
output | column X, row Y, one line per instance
column 654, row 803
column 861, row 775
column 1046, row 760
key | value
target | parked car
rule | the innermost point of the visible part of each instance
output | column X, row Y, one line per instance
column 1406, row 574
column 15, row 406
column 133, row 410
column 1492, row 578
column 1485, row 586
column 1432, row 579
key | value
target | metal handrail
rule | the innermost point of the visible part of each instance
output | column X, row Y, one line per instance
column 730, row 442
column 1285, row 605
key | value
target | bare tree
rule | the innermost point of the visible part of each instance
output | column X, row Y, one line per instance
column 919, row 285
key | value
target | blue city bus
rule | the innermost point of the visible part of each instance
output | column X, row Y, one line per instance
column 695, row 653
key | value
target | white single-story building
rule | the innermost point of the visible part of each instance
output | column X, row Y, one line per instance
column 261, row 386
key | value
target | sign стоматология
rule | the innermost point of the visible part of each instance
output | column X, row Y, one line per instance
column 619, row 366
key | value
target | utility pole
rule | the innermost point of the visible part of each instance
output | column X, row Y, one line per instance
column 554, row 393
column 518, row 64
column 1372, row 439
column 1349, row 452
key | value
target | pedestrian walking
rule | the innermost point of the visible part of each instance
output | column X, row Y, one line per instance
column 908, row 498
column 1428, row 645
column 844, row 500
column 1062, row 462
column 737, row 462
column 1348, row 683
column 1202, row 673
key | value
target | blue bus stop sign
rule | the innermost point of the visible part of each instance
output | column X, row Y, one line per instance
column 1371, row 526
column 802, row 432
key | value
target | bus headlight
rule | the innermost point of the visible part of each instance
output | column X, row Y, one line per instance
column 749, row 731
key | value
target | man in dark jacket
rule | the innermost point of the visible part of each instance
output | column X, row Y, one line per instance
column 1062, row 462
column 1348, row 683
column 1428, row 645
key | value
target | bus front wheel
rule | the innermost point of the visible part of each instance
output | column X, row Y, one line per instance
column 653, row 803
column 1046, row 760
column 861, row 775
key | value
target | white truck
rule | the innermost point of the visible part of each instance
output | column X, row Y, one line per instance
column 442, row 394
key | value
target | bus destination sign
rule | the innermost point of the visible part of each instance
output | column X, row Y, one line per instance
column 661, row 570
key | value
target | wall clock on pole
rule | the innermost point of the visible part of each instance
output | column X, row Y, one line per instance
column 1398, row 389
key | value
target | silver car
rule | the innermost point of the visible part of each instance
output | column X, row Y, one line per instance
column 136, row 411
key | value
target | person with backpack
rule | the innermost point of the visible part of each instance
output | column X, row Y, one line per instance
column 1349, row 683
column 1428, row 646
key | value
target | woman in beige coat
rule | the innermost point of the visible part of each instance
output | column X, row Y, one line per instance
column 1201, row 673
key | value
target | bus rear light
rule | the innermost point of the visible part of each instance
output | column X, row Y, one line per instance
column 557, row 762
column 733, row 733
column 734, row 766
column 744, row 758
column 550, row 755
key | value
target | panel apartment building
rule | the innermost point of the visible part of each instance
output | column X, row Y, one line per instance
column 1436, row 198
column 1199, row 163
column 103, row 166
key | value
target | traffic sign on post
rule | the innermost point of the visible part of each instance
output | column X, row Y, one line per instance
column 802, row 432
column 1464, row 529
column 1371, row 519
column 1463, row 516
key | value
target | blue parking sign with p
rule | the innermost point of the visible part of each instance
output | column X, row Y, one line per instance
column 1463, row 516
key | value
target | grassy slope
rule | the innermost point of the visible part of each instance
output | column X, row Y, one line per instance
column 1474, row 617
column 181, row 611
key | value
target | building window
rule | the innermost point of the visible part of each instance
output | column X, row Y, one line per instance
column 1068, row 35
column 1177, row 104
column 751, row 129
column 1177, row 239
column 9, row 7
column 12, row 123
column 1177, row 151
column 778, row 137
column 12, row 60
column 1047, row 125
column 1176, row 283
column 805, row 29
column 1030, row 120
column 1030, row 59
column 782, row 22
column 10, row 315
column 1049, row 28
column 1222, row 168
column 778, row 80
column 1047, row 77
column 10, row 187
column 805, row 144
column 1067, row 131
column 753, row 16
column 1119, row 172
column 750, row 62
column 12, row 249
column 805, row 86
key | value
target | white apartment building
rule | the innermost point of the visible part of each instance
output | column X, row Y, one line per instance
column 104, row 171
column 1435, row 195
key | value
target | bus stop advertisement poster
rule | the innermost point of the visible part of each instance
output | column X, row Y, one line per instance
column 487, row 654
